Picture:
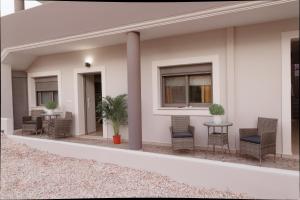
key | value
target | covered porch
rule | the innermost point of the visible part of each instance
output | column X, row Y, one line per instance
column 218, row 33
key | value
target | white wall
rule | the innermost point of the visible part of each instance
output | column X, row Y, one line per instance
column 6, row 99
column 257, row 60
column 258, row 72
column 156, row 127
column 114, row 60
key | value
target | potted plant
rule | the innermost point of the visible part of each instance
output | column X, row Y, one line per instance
column 217, row 111
column 51, row 105
column 114, row 109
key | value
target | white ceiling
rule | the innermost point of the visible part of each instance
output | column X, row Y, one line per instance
column 21, row 59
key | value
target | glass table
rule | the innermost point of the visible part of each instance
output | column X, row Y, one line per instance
column 215, row 137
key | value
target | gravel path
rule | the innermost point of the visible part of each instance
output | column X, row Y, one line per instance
column 29, row 173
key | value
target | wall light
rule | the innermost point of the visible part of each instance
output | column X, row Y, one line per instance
column 88, row 61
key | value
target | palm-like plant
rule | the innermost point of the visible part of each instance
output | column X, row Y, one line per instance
column 114, row 109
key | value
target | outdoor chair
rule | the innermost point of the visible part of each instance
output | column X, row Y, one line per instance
column 182, row 134
column 60, row 127
column 259, row 141
column 32, row 123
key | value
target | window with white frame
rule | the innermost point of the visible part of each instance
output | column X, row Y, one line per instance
column 46, row 90
column 186, row 85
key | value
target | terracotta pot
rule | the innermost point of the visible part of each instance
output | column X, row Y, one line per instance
column 117, row 139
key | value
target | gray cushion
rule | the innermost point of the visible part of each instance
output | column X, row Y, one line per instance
column 253, row 139
column 30, row 122
column 182, row 135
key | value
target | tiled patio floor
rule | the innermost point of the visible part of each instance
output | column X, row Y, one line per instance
column 283, row 163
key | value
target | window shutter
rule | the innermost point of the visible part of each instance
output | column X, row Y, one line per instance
column 46, row 84
column 186, row 69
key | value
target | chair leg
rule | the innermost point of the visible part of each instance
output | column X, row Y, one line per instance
column 260, row 161
column 228, row 148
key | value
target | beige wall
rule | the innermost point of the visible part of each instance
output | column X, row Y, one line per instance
column 113, row 58
column 6, row 99
column 257, row 70
column 6, row 92
column 156, row 127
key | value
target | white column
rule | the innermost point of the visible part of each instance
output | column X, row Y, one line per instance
column 6, row 99
column 230, row 86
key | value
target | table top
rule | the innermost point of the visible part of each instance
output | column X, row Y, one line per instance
column 218, row 125
column 47, row 114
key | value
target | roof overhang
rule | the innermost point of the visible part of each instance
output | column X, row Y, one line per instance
column 20, row 57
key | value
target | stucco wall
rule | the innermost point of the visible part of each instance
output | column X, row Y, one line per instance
column 6, row 91
column 6, row 99
column 113, row 58
column 156, row 127
column 257, row 71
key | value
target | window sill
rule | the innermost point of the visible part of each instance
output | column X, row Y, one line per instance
column 198, row 111
column 183, row 108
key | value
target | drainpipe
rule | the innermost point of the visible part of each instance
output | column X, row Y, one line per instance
column 19, row 5
column 134, row 91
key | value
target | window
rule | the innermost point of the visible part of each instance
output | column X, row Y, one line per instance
column 187, row 85
column 44, row 96
column 46, row 90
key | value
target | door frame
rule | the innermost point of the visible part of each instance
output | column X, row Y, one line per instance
column 79, row 101
column 286, row 112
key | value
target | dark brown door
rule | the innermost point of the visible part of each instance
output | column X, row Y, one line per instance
column 20, row 97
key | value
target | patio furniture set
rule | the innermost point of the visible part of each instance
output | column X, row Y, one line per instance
column 51, row 124
column 256, row 142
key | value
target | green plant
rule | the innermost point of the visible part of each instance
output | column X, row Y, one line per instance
column 51, row 105
column 98, row 100
column 216, row 109
column 114, row 109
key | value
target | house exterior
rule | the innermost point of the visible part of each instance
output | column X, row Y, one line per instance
column 170, row 58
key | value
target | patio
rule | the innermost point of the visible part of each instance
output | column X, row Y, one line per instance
column 281, row 162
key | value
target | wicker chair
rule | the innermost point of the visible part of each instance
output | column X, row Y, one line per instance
column 60, row 127
column 182, row 134
column 32, row 123
column 259, row 141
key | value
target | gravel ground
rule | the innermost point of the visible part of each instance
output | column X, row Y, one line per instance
column 28, row 173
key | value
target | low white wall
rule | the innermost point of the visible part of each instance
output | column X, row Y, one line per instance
column 7, row 125
column 257, row 182
column 6, row 100
column 6, row 92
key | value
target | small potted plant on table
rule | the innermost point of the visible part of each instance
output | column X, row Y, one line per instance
column 217, row 111
column 114, row 109
column 51, row 105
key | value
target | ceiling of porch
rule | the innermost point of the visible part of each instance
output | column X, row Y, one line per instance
column 141, row 20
